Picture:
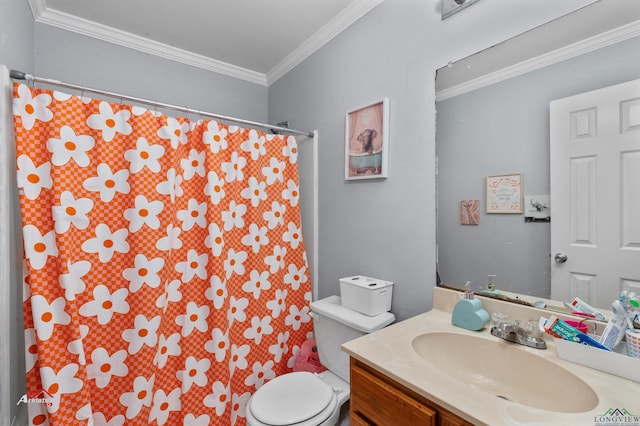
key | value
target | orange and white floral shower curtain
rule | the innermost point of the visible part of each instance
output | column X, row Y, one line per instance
column 166, row 274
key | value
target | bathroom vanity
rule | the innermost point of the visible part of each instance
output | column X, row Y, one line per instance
column 377, row 399
column 424, row 370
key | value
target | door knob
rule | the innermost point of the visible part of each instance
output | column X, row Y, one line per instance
column 560, row 257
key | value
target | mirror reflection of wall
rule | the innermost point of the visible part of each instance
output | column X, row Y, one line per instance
column 503, row 128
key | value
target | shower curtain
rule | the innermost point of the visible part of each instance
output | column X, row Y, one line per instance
column 165, row 275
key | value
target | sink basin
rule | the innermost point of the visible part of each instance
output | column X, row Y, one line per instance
column 506, row 371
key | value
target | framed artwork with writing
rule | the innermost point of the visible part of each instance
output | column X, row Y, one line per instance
column 504, row 193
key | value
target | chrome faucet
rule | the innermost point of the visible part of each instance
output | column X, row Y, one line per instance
column 516, row 334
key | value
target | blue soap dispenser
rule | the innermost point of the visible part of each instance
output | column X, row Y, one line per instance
column 468, row 312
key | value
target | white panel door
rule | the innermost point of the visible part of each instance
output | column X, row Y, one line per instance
column 595, row 194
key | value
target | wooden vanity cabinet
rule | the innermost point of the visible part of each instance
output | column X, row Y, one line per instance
column 378, row 400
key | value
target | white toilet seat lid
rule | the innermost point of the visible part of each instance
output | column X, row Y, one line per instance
column 290, row 398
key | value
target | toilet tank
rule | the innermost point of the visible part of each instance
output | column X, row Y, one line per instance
column 333, row 325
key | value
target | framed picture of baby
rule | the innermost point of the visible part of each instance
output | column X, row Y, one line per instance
column 367, row 142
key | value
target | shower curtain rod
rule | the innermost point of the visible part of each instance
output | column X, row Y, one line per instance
column 19, row 75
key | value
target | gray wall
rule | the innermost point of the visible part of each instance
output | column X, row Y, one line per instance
column 16, row 35
column 504, row 128
column 387, row 228
column 95, row 63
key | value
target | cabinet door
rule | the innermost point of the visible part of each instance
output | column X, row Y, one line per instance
column 356, row 420
column 379, row 403
column 448, row 419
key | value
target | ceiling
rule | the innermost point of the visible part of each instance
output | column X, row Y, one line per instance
column 254, row 40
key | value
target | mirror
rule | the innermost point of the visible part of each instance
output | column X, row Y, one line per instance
column 493, row 119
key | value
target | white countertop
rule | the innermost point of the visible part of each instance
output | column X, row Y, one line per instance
column 390, row 351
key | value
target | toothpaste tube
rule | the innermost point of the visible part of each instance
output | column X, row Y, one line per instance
column 560, row 329
column 614, row 332
column 580, row 305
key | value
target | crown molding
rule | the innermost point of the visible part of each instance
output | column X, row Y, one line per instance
column 342, row 21
column 38, row 7
column 590, row 44
column 357, row 9
column 112, row 35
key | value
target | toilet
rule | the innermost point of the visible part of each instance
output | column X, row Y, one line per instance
column 308, row 399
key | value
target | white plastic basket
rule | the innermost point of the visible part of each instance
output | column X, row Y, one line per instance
column 366, row 295
column 617, row 362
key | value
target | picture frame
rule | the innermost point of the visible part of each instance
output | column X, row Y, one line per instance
column 504, row 194
column 367, row 142
column 537, row 208
column 469, row 212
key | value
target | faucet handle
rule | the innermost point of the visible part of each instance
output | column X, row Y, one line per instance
column 533, row 328
column 516, row 334
column 499, row 317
